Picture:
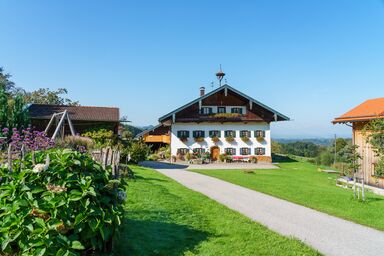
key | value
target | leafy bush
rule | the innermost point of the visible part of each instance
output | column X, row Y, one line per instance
column 139, row 151
column 58, row 208
column 245, row 138
column 153, row 157
column 102, row 137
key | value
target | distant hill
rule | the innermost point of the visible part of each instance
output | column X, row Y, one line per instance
column 317, row 141
column 133, row 129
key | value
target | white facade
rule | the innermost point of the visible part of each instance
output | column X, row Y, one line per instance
column 238, row 143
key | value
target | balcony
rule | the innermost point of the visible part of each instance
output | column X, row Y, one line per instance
column 158, row 139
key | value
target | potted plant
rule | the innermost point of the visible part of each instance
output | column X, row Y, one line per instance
column 229, row 139
column 215, row 139
column 253, row 159
column 199, row 139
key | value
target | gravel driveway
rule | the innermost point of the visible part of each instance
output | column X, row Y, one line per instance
column 329, row 235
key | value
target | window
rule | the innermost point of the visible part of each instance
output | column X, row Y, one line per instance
column 237, row 110
column 198, row 134
column 215, row 133
column 183, row 134
column 230, row 133
column 245, row 134
column 221, row 110
column 199, row 151
column 259, row 134
column 182, row 151
column 206, row 111
column 259, row 151
column 230, row 151
column 245, row 151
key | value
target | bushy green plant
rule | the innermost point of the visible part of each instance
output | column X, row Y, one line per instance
column 139, row 151
column 102, row 137
column 62, row 207
column 153, row 157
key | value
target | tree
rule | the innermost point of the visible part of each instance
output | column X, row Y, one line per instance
column 19, row 115
column 46, row 96
column 276, row 147
column 7, row 85
column 374, row 132
column 3, row 108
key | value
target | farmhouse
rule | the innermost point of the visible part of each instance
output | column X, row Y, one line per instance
column 223, row 121
column 357, row 118
column 82, row 117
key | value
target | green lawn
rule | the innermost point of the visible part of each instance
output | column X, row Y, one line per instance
column 165, row 218
column 302, row 183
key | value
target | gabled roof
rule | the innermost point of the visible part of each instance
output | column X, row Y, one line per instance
column 225, row 86
column 80, row 113
column 368, row 110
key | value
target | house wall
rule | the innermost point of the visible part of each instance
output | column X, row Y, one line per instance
column 222, row 144
column 367, row 163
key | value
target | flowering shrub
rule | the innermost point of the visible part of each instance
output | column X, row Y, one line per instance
column 63, row 205
column 32, row 140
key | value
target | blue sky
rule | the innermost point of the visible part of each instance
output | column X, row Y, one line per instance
column 310, row 60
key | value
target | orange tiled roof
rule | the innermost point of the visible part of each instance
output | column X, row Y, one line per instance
column 368, row 110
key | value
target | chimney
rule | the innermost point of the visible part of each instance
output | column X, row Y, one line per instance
column 202, row 91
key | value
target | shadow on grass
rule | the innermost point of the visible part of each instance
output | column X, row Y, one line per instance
column 282, row 159
column 138, row 177
column 162, row 165
column 147, row 237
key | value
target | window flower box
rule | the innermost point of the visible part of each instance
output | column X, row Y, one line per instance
column 229, row 139
column 199, row 139
column 215, row 139
column 260, row 139
column 245, row 138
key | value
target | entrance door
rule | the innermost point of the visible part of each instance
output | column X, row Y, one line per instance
column 215, row 152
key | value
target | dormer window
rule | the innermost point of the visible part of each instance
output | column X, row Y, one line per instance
column 206, row 111
column 237, row 110
column 221, row 110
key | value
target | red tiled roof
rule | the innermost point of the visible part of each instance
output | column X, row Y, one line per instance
column 80, row 113
column 368, row 110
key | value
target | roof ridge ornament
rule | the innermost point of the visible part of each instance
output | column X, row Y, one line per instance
column 220, row 75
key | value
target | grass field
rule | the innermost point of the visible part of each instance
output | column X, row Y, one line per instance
column 165, row 218
column 302, row 183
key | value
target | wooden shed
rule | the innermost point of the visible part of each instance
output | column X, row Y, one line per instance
column 357, row 118
column 82, row 117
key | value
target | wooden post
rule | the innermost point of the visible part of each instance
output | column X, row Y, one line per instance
column 10, row 158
